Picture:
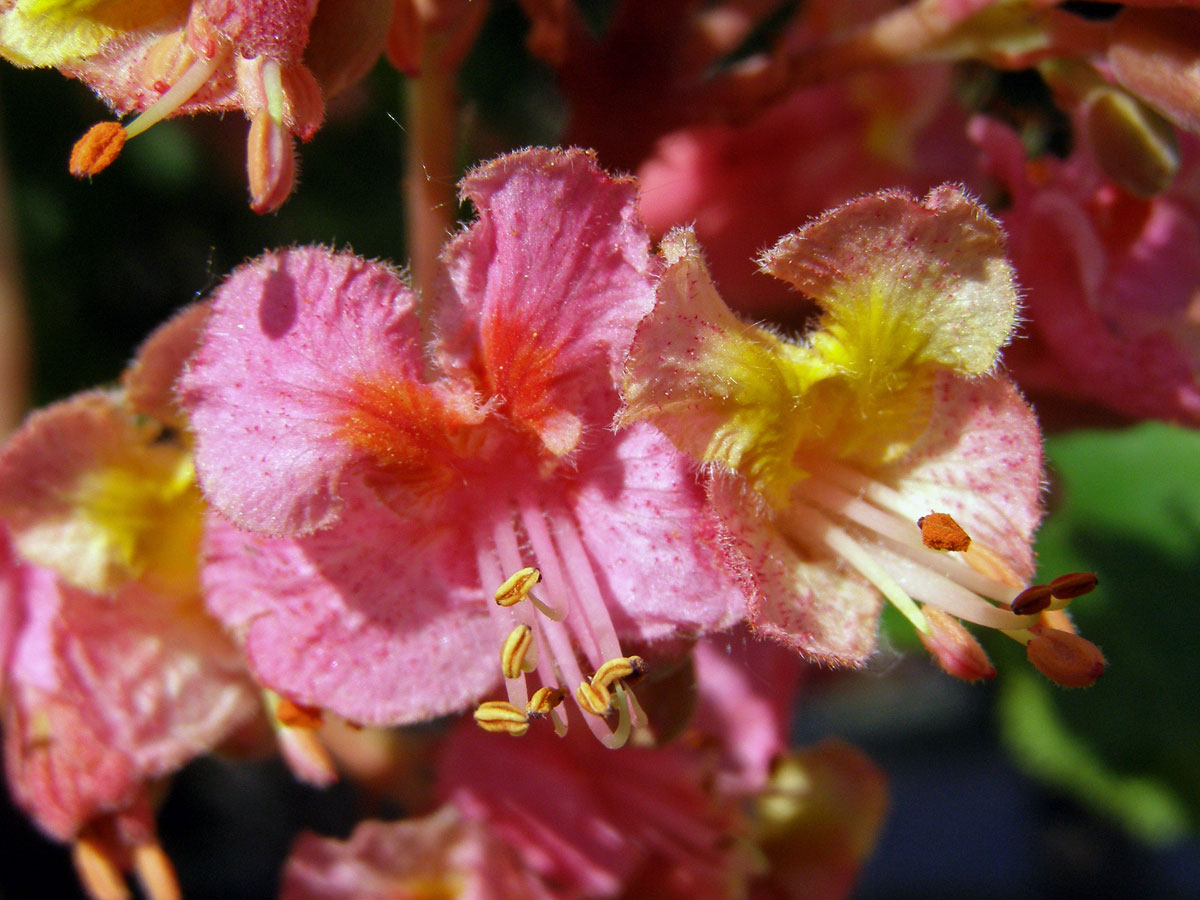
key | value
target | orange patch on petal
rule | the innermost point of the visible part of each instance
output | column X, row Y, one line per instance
column 414, row 430
column 522, row 369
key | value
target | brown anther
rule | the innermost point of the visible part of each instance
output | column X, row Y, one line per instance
column 295, row 715
column 517, row 586
column 1032, row 600
column 97, row 149
column 619, row 669
column 955, row 649
column 1074, row 584
column 514, row 650
column 1066, row 659
column 501, row 716
column 543, row 700
column 939, row 531
column 593, row 698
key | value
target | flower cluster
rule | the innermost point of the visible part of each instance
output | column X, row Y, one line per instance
column 552, row 510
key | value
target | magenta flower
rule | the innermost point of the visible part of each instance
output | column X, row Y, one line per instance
column 1114, row 316
column 385, row 484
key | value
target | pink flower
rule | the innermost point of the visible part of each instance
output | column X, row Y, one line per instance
column 829, row 452
column 386, row 483
column 114, row 675
column 742, row 185
column 276, row 60
column 440, row 855
column 1114, row 309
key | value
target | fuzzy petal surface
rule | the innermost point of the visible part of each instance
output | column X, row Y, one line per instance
column 53, row 32
column 643, row 520
column 371, row 619
column 308, row 356
column 92, row 493
column 914, row 283
column 546, row 288
column 109, row 692
column 801, row 597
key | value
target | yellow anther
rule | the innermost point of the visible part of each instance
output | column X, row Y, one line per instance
column 619, row 669
column 515, row 649
column 500, row 715
column 544, row 699
column 593, row 698
column 517, row 586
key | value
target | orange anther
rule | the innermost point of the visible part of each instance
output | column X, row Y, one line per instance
column 97, row 149
column 295, row 715
column 939, row 531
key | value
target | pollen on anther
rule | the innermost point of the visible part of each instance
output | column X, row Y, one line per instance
column 619, row 669
column 544, row 699
column 939, row 531
column 593, row 698
column 501, row 716
column 97, row 149
column 513, row 652
column 517, row 586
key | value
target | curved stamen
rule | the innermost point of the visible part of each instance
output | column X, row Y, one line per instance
column 194, row 77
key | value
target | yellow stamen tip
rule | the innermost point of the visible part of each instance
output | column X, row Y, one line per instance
column 594, row 698
column 544, row 700
column 619, row 669
column 514, row 651
column 517, row 586
column 501, row 716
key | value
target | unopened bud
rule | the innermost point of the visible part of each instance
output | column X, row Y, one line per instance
column 939, row 531
column 955, row 649
column 270, row 163
column 97, row 149
column 1066, row 659
column 1135, row 146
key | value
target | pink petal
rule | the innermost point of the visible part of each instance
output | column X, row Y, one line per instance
column 306, row 351
column 547, row 286
column 592, row 819
column 810, row 604
column 980, row 460
column 110, row 692
column 937, row 267
column 440, row 854
column 373, row 619
column 642, row 517
column 149, row 381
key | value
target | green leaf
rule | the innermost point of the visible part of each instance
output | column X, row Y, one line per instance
column 1127, row 506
